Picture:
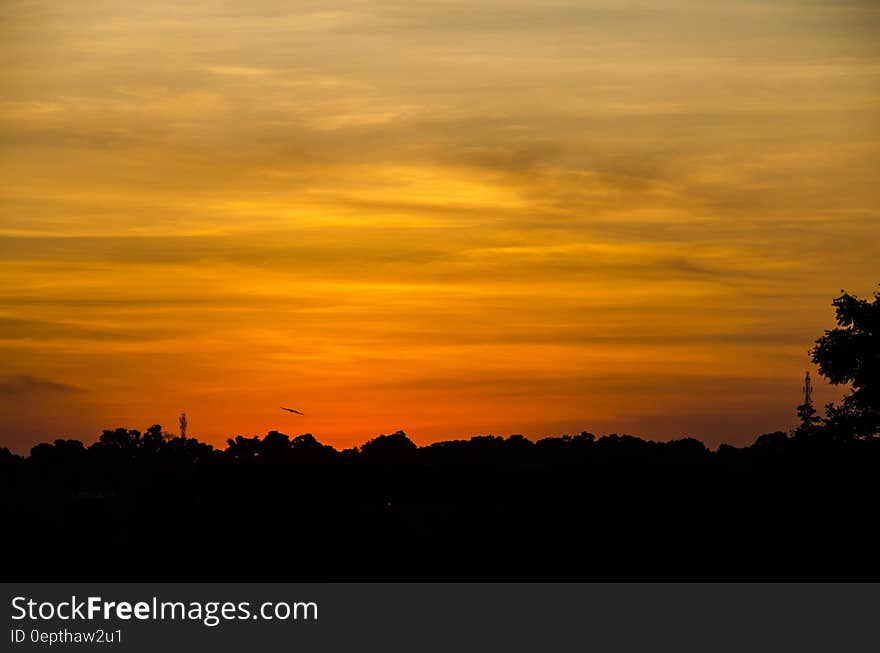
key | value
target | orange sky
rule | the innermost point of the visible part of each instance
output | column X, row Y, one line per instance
column 452, row 218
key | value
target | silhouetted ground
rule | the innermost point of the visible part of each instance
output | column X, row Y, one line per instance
column 149, row 507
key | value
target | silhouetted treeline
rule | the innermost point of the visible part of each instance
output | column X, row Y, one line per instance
column 140, row 506
column 153, row 448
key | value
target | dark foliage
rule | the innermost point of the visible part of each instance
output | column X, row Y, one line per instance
column 131, row 506
column 850, row 354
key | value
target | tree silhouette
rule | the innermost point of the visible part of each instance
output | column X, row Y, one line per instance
column 8, row 458
column 306, row 449
column 809, row 419
column 850, row 353
column 66, row 452
column 394, row 448
column 123, row 439
column 152, row 440
column 242, row 449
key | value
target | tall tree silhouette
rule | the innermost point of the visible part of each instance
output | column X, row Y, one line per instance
column 850, row 353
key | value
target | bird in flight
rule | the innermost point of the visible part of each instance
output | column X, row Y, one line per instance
column 291, row 410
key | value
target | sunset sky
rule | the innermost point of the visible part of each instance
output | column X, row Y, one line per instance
column 447, row 217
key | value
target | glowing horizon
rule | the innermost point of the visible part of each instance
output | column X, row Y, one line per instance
column 443, row 217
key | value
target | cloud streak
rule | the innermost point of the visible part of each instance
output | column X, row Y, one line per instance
column 25, row 384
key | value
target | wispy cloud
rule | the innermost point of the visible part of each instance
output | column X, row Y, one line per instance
column 24, row 384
